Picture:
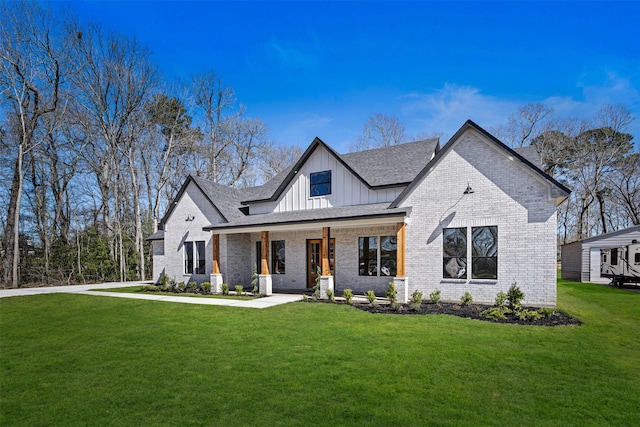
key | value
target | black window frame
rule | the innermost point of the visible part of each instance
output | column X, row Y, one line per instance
column 320, row 183
column 195, row 260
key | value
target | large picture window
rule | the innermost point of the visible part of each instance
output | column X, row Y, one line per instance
column 194, row 257
column 484, row 253
column 320, row 183
column 484, row 246
column 378, row 251
column 454, row 253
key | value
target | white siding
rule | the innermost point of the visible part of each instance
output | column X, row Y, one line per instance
column 346, row 188
column 177, row 231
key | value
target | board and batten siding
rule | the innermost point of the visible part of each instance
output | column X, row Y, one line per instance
column 346, row 188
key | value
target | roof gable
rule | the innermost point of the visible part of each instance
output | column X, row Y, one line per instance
column 470, row 125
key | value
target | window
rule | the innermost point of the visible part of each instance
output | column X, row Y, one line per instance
column 484, row 253
column 194, row 264
column 614, row 256
column 320, row 183
column 636, row 258
column 277, row 257
column 378, row 251
column 454, row 253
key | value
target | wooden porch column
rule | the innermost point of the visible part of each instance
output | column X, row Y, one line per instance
column 324, row 252
column 401, row 249
column 216, row 254
column 264, row 267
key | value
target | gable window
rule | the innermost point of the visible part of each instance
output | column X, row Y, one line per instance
column 320, row 183
column 378, row 251
column 194, row 257
column 484, row 253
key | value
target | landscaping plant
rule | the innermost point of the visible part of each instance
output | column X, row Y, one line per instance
column 347, row 294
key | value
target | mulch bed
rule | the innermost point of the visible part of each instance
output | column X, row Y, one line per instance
column 471, row 312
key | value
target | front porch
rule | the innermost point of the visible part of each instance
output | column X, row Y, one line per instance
column 359, row 255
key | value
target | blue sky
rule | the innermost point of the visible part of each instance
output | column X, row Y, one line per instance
column 321, row 68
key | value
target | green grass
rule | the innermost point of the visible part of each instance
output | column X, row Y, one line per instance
column 138, row 290
column 81, row 360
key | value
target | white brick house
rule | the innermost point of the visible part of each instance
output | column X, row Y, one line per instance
column 473, row 216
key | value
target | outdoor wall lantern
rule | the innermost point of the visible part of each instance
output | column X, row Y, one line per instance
column 190, row 218
column 469, row 190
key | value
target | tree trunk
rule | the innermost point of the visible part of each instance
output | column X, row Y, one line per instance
column 12, row 245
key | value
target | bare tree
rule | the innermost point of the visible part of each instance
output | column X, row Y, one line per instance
column 30, row 81
column 380, row 130
column 527, row 123
column 276, row 158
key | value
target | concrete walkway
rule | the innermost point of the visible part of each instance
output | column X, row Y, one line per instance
column 265, row 302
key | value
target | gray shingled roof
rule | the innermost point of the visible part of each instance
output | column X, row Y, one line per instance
column 314, row 215
column 393, row 165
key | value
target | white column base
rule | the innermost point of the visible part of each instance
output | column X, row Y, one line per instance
column 216, row 283
column 326, row 282
column 264, row 284
column 402, row 287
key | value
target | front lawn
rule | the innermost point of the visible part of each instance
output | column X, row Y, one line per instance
column 80, row 360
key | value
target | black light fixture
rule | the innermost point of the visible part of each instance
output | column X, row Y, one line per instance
column 469, row 190
column 190, row 218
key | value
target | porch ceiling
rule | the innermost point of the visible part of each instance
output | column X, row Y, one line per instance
column 339, row 217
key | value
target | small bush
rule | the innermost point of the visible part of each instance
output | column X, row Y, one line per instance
column 238, row 289
column 501, row 299
column 546, row 311
column 206, row 287
column 225, row 289
column 181, row 286
column 348, row 295
column 192, row 286
column 494, row 313
column 371, row 297
column 171, row 285
column 416, row 297
column 528, row 315
column 305, row 297
column 151, row 288
column 435, row 296
column 254, row 280
column 392, row 293
column 331, row 295
column 515, row 297
column 164, row 280
column 466, row 299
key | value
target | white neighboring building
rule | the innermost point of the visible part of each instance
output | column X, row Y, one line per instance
column 581, row 260
column 473, row 216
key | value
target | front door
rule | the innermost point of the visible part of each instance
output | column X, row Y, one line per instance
column 314, row 261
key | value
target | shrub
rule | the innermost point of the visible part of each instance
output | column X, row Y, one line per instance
column 151, row 288
column 416, row 300
column 181, row 286
column 528, row 315
column 164, row 280
column 171, row 285
column 348, row 295
column 546, row 311
column 254, row 280
column 494, row 313
column 238, row 289
column 515, row 297
column 392, row 293
column 206, row 287
column 435, row 296
column 192, row 286
column 331, row 295
column 225, row 289
column 466, row 299
column 501, row 299
column 371, row 297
